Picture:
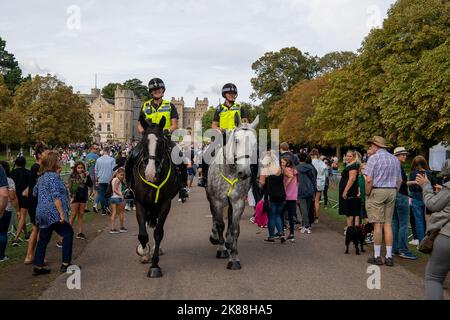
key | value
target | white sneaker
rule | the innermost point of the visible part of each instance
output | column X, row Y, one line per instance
column 414, row 242
column 305, row 230
column 316, row 221
column 252, row 219
column 5, row 258
column 127, row 207
column 179, row 200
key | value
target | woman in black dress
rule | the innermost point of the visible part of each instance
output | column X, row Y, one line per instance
column 39, row 151
column 79, row 184
column 21, row 177
column 349, row 195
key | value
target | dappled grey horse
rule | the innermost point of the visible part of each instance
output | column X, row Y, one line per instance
column 229, row 180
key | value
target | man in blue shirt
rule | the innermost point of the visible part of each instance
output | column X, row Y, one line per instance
column 104, row 167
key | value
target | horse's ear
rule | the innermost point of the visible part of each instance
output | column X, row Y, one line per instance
column 144, row 123
column 237, row 120
column 255, row 122
column 162, row 123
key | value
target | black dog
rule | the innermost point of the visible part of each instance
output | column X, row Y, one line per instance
column 355, row 234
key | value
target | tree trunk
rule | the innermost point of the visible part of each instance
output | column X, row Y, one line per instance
column 338, row 151
column 8, row 152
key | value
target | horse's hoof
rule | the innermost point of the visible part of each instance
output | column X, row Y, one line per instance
column 234, row 265
column 213, row 240
column 154, row 273
column 222, row 254
column 141, row 251
column 144, row 259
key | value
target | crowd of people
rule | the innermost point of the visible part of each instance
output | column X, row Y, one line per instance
column 372, row 189
column 55, row 204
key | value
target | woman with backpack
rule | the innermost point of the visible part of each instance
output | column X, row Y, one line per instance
column 271, row 180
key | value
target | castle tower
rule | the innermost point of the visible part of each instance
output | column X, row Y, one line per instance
column 201, row 106
column 179, row 104
column 123, row 114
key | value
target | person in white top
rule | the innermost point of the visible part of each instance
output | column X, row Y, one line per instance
column 117, row 202
column 322, row 171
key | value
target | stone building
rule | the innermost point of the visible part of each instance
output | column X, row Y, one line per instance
column 116, row 120
column 188, row 115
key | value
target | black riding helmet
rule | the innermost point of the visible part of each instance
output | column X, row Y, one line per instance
column 229, row 88
column 156, row 83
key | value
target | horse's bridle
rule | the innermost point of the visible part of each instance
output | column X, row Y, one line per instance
column 234, row 146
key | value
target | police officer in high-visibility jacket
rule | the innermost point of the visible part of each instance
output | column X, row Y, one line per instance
column 223, row 119
column 155, row 109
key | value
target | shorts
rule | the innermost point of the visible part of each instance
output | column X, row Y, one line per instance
column 380, row 205
column 191, row 171
column 116, row 201
column 23, row 202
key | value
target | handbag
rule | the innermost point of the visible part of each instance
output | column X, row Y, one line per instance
column 426, row 245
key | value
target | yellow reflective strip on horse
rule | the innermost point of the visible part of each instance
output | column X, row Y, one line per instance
column 232, row 183
column 154, row 185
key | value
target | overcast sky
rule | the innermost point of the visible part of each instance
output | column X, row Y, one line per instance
column 195, row 46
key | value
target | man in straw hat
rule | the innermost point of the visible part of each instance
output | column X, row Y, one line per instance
column 400, row 218
column 383, row 179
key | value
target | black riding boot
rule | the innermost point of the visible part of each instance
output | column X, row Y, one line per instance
column 182, row 182
column 129, row 168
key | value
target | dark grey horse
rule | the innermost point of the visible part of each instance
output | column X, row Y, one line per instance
column 229, row 180
column 155, row 185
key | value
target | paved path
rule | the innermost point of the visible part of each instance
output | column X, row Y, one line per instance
column 315, row 267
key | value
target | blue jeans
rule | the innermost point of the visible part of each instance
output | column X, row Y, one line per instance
column 275, row 218
column 4, row 225
column 102, row 187
column 291, row 206
column 400, row 221
column 65, row 231
column 418, row 208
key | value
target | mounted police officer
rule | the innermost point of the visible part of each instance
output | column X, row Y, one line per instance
column 223, row 119
column 155, row 109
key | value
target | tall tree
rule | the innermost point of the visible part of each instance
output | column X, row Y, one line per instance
column 12, row 125
column 398, row 85
column 9, row 67
column 53, row 113
column 291, row 112
column 139, row 89
column 336, row 60
column 277, row 72
column 109, row 90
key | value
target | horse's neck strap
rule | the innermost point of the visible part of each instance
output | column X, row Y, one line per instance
column 231, row 183
column 158, row 188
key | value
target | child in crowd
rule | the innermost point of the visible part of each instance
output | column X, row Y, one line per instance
column 117, row 201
